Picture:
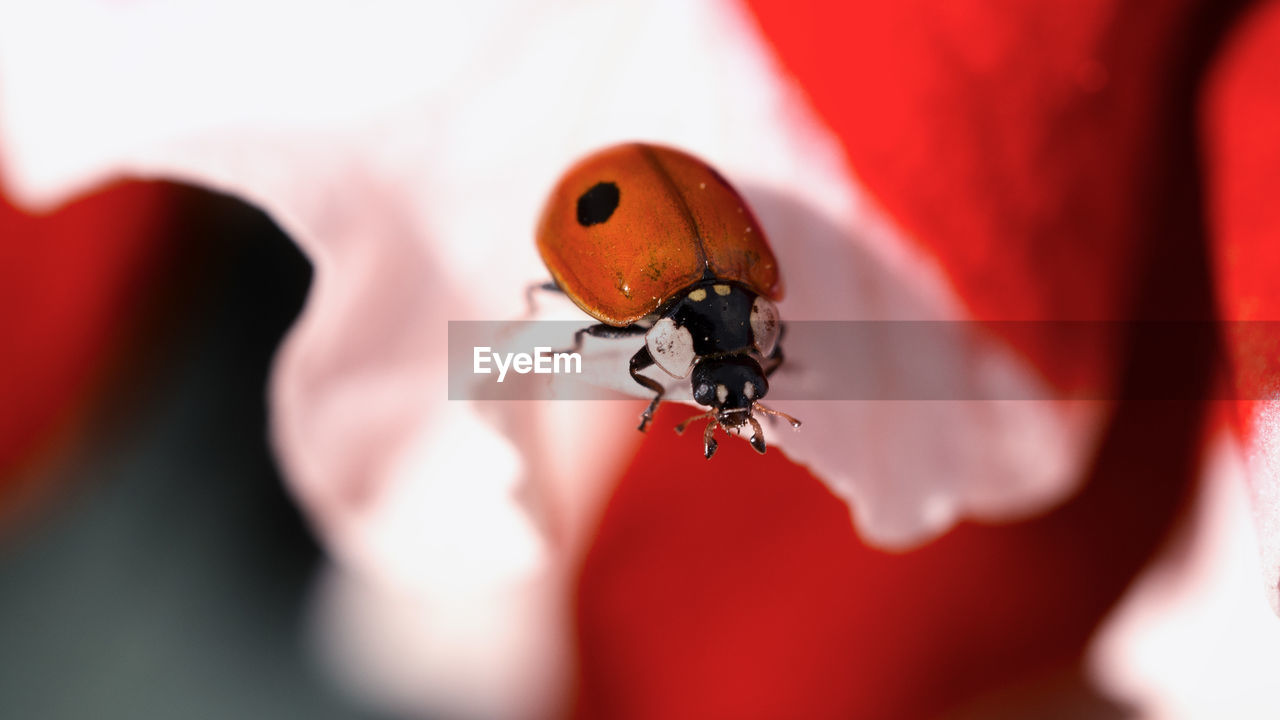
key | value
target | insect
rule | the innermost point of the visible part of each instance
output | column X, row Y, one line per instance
column 651, row 241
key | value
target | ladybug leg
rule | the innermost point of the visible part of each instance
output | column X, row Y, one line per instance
column 609, row 332
column 757, row 437
column 641, row 360
column 531, row 307
column 709, row 440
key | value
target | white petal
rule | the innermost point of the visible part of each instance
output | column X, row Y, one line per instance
column 1194, row 638
column 1263, row 482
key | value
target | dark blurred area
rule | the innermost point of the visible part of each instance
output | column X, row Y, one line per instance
column 169, row 577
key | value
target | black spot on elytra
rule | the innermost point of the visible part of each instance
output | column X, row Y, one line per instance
column 597, row 204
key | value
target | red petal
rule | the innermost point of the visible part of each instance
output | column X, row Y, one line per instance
column 1043, row 156
column 68, row 282
column 1241, row 116
column 737, row 587
column 1017, row 143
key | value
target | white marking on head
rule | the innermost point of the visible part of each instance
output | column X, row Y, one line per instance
column 698, row 295
column 671, row 347
column 721, row 289
column 749, row 389
column 722, row 393
column 765, row 326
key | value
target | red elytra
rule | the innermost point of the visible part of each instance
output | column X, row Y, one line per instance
column 630, row 226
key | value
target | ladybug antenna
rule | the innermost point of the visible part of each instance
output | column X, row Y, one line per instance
column 770, row 411
column 680, row 428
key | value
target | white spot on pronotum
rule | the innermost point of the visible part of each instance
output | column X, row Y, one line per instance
column 698, row 295
column 721, row 289
column 749, row 389
column 764, row 326
column 671, row 347
column 722, row 393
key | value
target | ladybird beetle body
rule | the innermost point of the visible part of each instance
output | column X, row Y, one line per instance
column 652, row 241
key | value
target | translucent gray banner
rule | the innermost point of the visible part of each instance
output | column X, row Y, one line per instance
column 865, row 360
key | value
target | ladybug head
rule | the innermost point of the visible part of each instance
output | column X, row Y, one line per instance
column 732, row 387
column 729, row 386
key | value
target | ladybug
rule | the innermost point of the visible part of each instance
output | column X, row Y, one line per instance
column 651, row 241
